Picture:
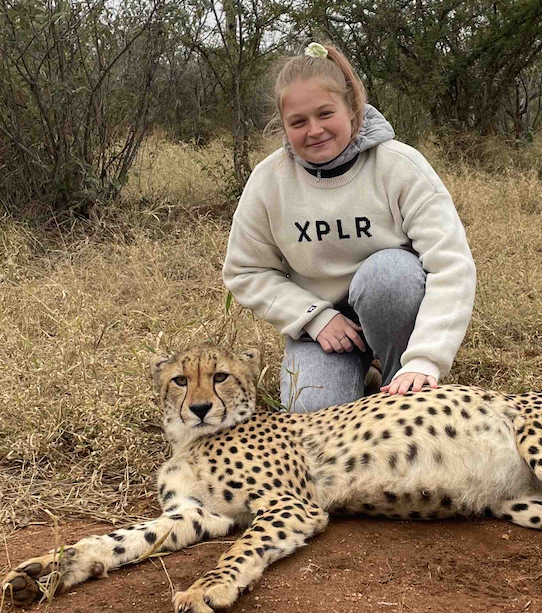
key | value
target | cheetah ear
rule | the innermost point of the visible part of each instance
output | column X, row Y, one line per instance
column 156, row 364
column 252, row 359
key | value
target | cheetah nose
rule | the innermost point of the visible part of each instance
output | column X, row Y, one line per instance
column 201, row 409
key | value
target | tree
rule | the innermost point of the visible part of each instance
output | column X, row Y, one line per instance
column 238, row 39
column 456, row 59
column 76, row 97
column 521, row 112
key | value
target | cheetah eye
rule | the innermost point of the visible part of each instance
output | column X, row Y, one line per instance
column 220, row 376
column 180, row 381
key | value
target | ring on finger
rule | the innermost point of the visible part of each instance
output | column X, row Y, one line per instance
column 343, row 337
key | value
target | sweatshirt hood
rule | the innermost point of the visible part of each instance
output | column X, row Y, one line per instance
column 375, row 129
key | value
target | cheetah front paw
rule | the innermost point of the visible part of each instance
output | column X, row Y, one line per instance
column 21, row 587
column 206, row 599
column 47, row 574
column 191, row 601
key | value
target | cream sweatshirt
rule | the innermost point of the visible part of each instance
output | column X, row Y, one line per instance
column 297, row 240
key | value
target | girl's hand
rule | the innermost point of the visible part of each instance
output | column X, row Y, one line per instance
column 407, row 380
column 340, row 334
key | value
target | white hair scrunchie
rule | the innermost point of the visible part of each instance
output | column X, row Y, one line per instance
column 316, row 50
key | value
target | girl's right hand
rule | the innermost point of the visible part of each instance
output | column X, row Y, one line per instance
column 340, row 334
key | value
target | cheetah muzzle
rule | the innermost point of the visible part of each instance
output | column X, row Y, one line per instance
column 432, row 454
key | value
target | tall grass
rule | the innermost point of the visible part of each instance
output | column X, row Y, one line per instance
column 83, row 308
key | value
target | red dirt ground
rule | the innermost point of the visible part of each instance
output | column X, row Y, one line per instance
column 355, row 566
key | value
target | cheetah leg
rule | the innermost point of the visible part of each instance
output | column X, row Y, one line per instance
column 525, row 511
column 93, row 556
column 279, row 528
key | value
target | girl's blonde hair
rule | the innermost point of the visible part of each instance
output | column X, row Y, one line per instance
column 337, row 75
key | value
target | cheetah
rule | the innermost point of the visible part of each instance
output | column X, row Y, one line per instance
column 436, row 453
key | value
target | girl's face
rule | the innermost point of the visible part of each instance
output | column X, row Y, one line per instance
column 316, row 121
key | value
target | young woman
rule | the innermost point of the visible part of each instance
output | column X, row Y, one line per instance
column 349, row 244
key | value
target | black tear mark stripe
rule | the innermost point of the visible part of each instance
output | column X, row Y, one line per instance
column 218, row 395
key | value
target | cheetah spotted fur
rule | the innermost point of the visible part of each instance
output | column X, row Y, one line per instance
column 432, row 454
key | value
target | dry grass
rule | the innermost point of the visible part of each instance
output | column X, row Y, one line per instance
column 82, row 310
column 202, row 178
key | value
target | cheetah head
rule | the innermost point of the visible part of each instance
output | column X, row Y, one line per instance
column 205, row 389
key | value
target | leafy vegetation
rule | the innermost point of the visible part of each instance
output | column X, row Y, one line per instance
column 83, row 81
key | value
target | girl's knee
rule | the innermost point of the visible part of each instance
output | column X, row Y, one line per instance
column 389, row 276
column 311, row 379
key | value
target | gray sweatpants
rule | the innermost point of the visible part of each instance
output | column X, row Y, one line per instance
column 384, row 297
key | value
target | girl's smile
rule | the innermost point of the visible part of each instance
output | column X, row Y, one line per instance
column 317, row 122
